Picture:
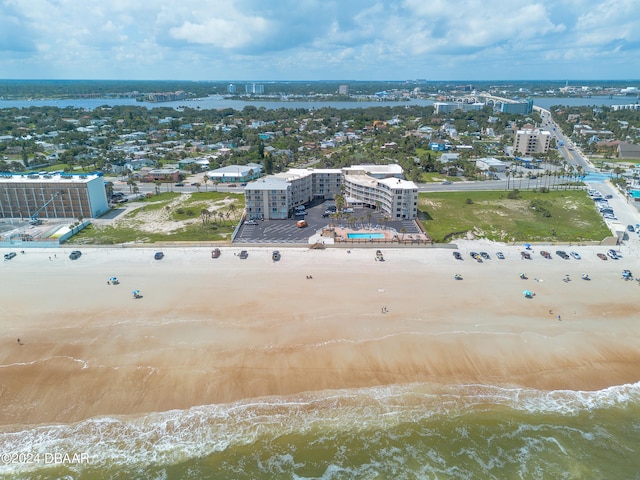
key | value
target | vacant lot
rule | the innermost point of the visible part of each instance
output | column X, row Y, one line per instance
column 567, row 216
column 206, row 216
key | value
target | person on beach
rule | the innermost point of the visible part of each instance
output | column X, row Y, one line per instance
column 20, row 342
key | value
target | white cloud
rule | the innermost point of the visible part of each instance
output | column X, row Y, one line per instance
column 377, row 39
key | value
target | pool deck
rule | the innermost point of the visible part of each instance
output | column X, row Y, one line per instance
column 388, row 235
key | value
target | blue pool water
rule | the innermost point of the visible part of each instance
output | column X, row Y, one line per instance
column 634, row 193
column 365, row 235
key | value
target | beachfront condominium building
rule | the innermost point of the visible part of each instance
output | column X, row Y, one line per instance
column 530, row 142
column 396, row 197
column 376, row 186
column 48, row 195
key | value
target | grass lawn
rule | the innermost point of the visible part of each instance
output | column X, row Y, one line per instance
column 426, row 177
column 492, row 215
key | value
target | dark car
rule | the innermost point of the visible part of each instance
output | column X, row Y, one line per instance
column 158, row 256
column 525, row 255
column 180, row 184
column 75, row 254
column 474, row 255
column 243, row 254
column 457, row 255
column 562, row 254
column 485, row 255
column 630, row 228
column 9, row 256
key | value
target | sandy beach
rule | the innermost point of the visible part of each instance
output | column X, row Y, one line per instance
column 218, row 330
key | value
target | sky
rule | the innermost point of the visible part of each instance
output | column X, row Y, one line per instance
column 270, row 40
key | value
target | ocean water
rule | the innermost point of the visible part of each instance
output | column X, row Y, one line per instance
column 417, row 431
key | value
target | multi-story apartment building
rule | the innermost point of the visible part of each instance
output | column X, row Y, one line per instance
column 52, row 195
column 268, row 198
column 379, row 186
column 396, row 197
column 530, row 142
column 254, row 89
column 517, row 108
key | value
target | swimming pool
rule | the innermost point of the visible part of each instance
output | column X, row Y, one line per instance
column 365, row 235
column 634, row 193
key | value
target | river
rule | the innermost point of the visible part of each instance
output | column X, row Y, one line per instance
column 218, row 102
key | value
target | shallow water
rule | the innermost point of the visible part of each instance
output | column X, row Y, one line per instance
column 398, row 432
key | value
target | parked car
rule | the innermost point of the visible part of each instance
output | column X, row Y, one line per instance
column 545, row 254
column 612, row 254
column 630, row 228
column 474, row 255
column 158, row 255
column 525, row 255
column 275, row 256
column 562, row 254
column 250, row 222
column 243, row 254
column 500, row 255
column 75, row 254
column 179, row 184
column 602, row 256
column 215, row 253
column 575, row 255
column 9, row 256
column 608, row 196
column 457, row 255
column 485, row 255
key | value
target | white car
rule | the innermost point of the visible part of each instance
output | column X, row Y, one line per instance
column 575, row 255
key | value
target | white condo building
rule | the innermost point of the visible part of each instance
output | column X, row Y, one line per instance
column 379, row 186
column 530, row 142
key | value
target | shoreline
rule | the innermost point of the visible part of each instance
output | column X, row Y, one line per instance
column 221, row 330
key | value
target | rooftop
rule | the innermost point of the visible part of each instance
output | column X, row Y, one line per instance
column 53, row 177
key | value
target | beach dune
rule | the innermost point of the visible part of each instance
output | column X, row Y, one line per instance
column 219, row 330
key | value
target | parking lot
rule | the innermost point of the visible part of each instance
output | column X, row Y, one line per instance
column 286, row 231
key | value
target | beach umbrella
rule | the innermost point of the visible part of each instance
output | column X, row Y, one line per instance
column 113, row 279
column 527, row 246
column 136, row 292
column 526, row 293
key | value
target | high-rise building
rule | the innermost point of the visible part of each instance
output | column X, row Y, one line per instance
column 52, row 195
column 254, row 89
column 529, row 142
column 518, row 108
column 231, row 88
column 343, row 90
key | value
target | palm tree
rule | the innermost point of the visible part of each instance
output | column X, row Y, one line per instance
column 205, row 179
column 204, row 214
column 197, row 185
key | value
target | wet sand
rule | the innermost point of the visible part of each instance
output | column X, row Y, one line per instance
column 218, row 330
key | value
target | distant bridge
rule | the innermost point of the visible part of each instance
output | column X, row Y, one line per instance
column 484, row 97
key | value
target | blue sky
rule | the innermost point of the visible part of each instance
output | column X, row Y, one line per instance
column 320, row 40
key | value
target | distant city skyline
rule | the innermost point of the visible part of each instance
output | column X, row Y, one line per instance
column 279, row 40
